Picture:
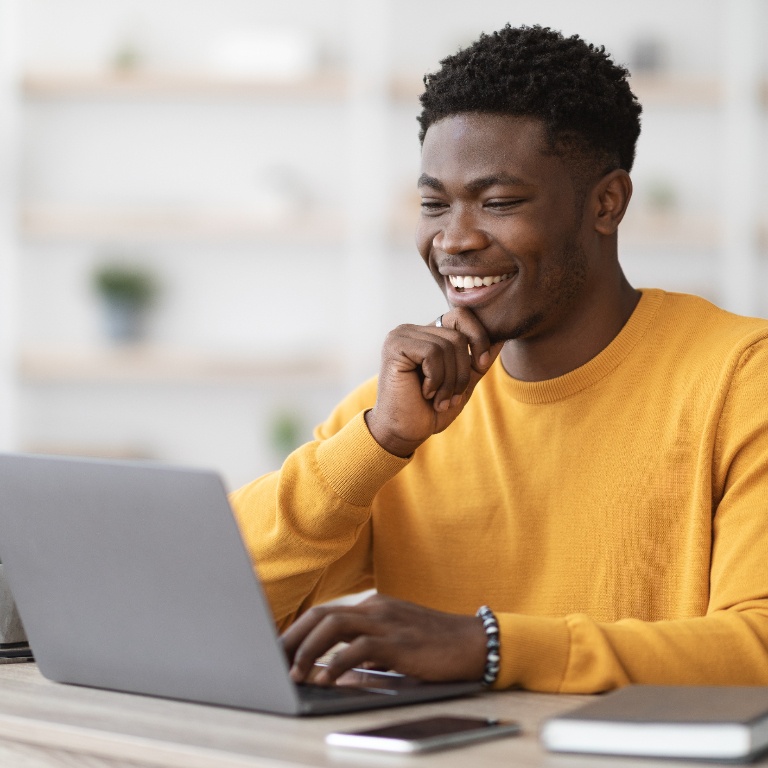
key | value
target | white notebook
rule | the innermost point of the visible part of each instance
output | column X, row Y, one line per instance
column 697, row 722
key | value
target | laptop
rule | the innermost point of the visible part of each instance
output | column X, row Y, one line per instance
column 132, row 576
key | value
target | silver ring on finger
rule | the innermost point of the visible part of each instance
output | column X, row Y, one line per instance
column 439, row 322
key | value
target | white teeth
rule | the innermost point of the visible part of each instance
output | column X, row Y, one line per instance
column 464, row 282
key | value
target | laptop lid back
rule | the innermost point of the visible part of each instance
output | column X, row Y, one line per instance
column 134, row 577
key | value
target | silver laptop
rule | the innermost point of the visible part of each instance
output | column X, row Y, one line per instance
column 133, row 577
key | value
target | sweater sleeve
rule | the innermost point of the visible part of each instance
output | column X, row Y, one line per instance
column 728, row 645
column 307, row 526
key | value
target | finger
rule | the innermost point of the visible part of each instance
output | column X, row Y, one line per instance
column 455, row 363
column 336, row 626
column 433, row 370
column 438, row 356
column 442, row 368
column 465, row 321
column 294, row 636
column 476, row 375
column 365, row 652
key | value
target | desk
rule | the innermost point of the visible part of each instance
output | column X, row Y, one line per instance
column 43, row 724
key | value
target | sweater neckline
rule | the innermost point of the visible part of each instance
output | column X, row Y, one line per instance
column 561, row 387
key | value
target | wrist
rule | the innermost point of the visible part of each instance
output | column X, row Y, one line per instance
column 391, row 443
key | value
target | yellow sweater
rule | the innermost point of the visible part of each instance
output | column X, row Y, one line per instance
column 615, row 518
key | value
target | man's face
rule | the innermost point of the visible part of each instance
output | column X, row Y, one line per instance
column 499, row 208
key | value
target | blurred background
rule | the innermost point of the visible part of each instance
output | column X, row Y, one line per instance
column 206, row 206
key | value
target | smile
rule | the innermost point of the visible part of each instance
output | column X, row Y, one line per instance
column 465, row 282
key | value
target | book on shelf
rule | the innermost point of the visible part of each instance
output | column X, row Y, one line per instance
column 695, row 722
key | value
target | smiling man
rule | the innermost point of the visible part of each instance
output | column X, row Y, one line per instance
column 561, row 483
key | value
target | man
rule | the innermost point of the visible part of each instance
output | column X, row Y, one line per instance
column 588, row 460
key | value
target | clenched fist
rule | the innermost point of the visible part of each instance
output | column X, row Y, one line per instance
column 427, row 375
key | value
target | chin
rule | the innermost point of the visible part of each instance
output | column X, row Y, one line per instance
column 512, row 329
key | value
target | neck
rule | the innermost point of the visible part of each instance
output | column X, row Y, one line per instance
column 582, row 335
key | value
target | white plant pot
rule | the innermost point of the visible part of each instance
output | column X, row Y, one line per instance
column 125, row 322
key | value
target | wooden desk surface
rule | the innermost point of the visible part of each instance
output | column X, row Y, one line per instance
column 44, row 724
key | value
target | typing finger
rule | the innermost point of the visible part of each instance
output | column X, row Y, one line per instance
column 292, row 638
column 336, row 626
column 365, row 651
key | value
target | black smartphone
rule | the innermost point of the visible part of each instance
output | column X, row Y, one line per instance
column 425, row 734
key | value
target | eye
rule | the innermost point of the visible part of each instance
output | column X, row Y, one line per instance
column 432, row 206
column 503, row 204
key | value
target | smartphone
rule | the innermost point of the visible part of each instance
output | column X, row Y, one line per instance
column 425, row 734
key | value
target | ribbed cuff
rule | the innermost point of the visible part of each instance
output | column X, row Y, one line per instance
column 355, row 465
column 534, row 652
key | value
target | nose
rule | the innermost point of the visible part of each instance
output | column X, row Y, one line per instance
column 460, row 232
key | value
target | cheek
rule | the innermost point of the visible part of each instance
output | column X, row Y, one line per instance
column 425, row 234
column 536, row 242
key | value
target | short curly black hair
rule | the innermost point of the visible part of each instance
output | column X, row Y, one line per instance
column 576, row 90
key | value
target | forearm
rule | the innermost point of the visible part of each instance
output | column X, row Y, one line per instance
column 302, row 526
column 578, row 655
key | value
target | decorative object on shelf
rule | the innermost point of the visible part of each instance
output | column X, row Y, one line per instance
column 130, row 54
column 285, row 432
column 661, row 195
column 127, row 59
column 647, row 56
column 270, row 53
column 11, row 628
column 127, row 293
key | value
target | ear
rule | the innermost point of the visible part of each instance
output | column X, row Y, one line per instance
column 610, row 198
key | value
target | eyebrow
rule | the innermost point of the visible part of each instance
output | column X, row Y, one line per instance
column 501, row 179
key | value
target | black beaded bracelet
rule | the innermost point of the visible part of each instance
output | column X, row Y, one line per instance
column 493, row 645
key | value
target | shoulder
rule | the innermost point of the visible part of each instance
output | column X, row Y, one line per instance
column 693, row 323
column 695, row 351
column 360, row 399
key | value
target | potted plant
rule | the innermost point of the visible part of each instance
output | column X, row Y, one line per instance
column 285, row 432
column 127, row 292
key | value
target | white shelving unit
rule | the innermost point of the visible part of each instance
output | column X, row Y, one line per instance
column 220, row 257
column 268, row 312
column 743, row 157
column 9, row 121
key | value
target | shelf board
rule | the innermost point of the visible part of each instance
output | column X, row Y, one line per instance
column 148, row 364
column 669, row 89
column 652, row 90
column 56, row 85
column 157, row 224
column 658, row 229
column 677, row 90
column 685, row 230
